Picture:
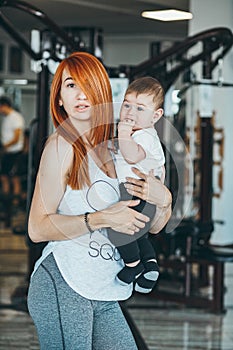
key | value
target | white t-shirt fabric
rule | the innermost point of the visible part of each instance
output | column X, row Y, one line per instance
column 10, row 123
column 90, row 263
column 150, row 142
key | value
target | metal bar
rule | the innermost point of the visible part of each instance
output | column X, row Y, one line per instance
column 206, row 189
column 221, row 35
column 218, row 287
column 188, row 267
column 41, row 16
column 135, row 331
column 7, row 26
column 212, row 39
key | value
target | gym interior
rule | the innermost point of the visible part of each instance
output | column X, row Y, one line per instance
column 191, row 306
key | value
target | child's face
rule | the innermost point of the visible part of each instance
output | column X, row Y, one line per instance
column 140, row 109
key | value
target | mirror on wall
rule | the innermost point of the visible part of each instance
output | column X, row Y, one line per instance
column 23, row 94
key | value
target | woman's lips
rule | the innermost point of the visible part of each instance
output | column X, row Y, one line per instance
column 82, row 107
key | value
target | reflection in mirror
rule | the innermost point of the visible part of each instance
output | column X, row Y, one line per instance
column 23, row 94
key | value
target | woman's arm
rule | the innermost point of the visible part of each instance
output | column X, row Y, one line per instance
column 161, row 218
column 45, row 224
column 155, row 192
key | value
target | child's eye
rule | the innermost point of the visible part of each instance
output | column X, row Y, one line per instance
column 126, row 105
column 140, row 109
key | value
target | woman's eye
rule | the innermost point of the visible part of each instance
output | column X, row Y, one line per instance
column 71, row 85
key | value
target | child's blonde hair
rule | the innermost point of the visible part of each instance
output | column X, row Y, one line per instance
column 150, row 86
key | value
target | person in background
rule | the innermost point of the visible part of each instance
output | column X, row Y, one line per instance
column 73, row 293
column 139, row 146
column 12, row 141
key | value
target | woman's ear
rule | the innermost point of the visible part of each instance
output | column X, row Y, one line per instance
column 158, row 114
column 60, row 103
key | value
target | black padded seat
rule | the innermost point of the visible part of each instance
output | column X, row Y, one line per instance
column 191, row 240
column 215, row 252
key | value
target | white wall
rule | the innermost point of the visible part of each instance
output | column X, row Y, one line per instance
column 125, row 50
column 131, row 50
column 209, row 14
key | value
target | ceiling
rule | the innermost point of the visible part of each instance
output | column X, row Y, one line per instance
column 114, row 17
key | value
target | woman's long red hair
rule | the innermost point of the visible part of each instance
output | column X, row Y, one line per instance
column 92, row 78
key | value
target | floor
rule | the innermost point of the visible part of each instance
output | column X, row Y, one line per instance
column 162, row 326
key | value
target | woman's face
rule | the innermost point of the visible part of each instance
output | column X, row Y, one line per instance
column 73, row 99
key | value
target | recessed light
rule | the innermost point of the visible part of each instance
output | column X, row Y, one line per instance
column 167, row 15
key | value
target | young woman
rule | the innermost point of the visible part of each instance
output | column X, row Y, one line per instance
column 73, row 294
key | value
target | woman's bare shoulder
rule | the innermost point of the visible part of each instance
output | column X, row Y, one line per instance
column 56, row 140
column 57, row 143
column 58, row 149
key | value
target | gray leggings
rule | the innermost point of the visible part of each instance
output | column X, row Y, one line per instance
column 67, row 321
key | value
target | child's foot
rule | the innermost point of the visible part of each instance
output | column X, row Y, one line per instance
column 129, row 273
column 147, row 280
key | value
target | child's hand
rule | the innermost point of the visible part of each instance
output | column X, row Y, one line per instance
column 126, row 126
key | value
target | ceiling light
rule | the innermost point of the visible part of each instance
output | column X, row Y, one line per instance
column 167, row 15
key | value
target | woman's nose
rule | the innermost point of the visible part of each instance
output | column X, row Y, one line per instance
column 81, row 95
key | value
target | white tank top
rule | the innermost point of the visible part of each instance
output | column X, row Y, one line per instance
column 90, row 263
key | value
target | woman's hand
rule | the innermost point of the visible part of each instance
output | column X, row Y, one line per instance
column 120, row 217
column 151, row 189
column 155, row 192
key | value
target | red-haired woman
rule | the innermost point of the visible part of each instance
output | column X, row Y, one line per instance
column 73, row 293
